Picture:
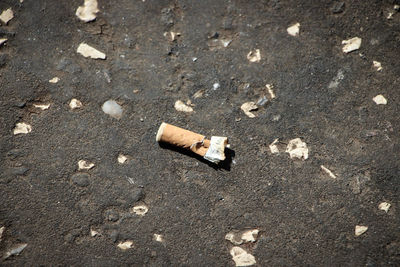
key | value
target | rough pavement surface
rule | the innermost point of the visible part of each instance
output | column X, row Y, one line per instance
column 323, row 96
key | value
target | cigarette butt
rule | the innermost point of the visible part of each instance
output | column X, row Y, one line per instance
column 212, row 150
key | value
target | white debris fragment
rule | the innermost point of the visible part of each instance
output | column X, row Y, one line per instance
column 328, row 172
column 2, row 41
column 351, row 44
column 294, row 29
column 380, row 100
column 239, row 237
column 158, row 238
column 140, row 209
column 225, row 43
column 22, row 128
column 241, row 257
column 254, row 56
column 360, row 229
column 250, row 235
column 172, row 35
column 88, row 51
column 6, row 15
column 42, row 106
column 54, row 80
column 88, row 11
column 384, row 206
column 2, row 231
column 377, row 65
column 122, row 159
column 198, row 94
column 85, row 165
column 112, row 108
column 125, row 245
column 297, row 149
column 180, row 106
column 396, row 7
column 75, row 103
column 94, row 233
column 16, row 250
column 247, row 107
column 270, row 91
column 336, row 80
column 216, row 86
column 390, row 15
column 273, row 147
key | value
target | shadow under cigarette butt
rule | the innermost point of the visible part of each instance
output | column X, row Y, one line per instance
column 226, row 164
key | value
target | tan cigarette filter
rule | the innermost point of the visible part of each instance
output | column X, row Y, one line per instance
column 211, row 150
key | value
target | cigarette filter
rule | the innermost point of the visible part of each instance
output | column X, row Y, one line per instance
column 212, row 150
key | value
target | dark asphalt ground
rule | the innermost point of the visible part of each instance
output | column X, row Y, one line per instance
column 323, row 96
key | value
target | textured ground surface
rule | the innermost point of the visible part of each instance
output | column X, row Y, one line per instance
column 323, row 96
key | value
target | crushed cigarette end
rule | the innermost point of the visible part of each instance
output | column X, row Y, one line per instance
column 88, row 11
column 158, row 238
column 15, row 251
column 88, row 51
column 85, row 165
column 122, row 159
column 42, row 106
column 180, row 106
column 270, row 91
column 384, row 206
column 140, row 210
column 360, row 229
column 6, row 15
column 351, row 44
column 239, row 237
column 125, row 245
column 75, row 103
column 247, row 107
column 112, row 108
column 380, row 100
column 254, row 56
column 22, row 128
column 273, row 147
column 2, row 41
column 294, row 29
column 328, row 172
column 54, row 80
column 377, row 65
column 241, row 257
column 297, row 149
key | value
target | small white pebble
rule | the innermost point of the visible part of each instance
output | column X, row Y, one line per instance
column 122, row 159
column 125, row 245
column 54, row 80
column 297, row 149
column 22, row 128
column 360, row 229
column 351, row 44
column 6, row 15
column 88, row 11
column 241, row 257
column 112, row 108
column 294, row 29
column 216, row 86
column 158, row 238
column 88, row 51
column 377, row 65
column 380, row 100
column 140, row 210
column 254, row 56
column 384, row 206
column 75, row 103
column 180, row 106
column 85, row 165
column 42, row 106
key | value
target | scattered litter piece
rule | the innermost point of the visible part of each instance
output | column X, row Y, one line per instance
column 122, row 159
column 2, row 231
column 172, row 35
column 380, row 100
column 254, row 56
column 112, row 108
column 180, row 106
column 140, row 210
column 88, row 11
column 22, row 128
column 377, row 65
column 94, row 233
column 211, row 150
column 239, row 237
column 297, row 149
column 42, row 106
column 328, row 172
column 15, row 251
column 241, row 257
column 198, row 94
column 270, row 91
column 384, row 206
column 247, row 107
column 294, row 29
column 396, row 7
column 225, row 43
column 75, row 103
column 273, row 147
column 262, row 101
column 158, row 238
column 390, row 15
column 88, row 51
column 216, row 86
column 2, row 41
column 336, row 80
column 360, row 229
column 54, row 80
column 85, row 165
column 351, row 44
column 125, row 245
column 6, row 16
